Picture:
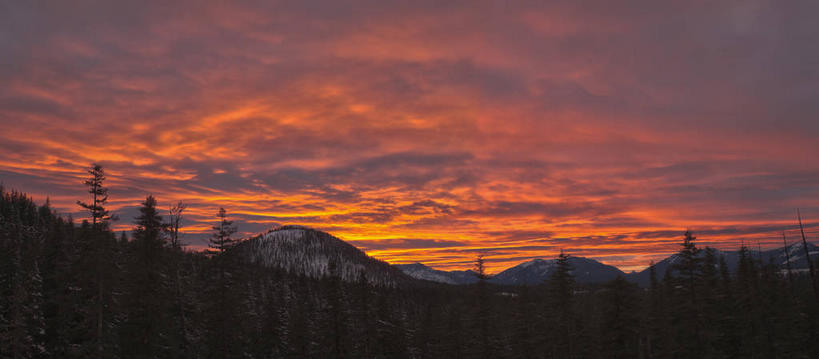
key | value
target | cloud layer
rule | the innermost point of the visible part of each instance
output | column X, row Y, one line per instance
column 427, row 131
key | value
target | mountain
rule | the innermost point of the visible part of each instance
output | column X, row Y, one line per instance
column 533, row 272
column 420, row 271
column 305, row 251
column 778, row 256
column 584, row 270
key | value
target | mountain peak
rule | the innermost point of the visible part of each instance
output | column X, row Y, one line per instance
column 536, row 271
column 424, row 272
column 307, row 251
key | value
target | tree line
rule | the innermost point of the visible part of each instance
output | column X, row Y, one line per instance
column 77, row 290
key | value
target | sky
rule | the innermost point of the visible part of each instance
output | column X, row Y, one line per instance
column 426, row 131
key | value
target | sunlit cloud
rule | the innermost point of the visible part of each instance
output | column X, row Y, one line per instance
column 426, row 131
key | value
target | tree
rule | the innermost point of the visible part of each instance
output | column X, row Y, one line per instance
column 335, row 316
column 173, row 228
column 99, row 248
column 687, row 312
column 221, row 239
column 619, row 324
column 145, row 334
column 657, row 327
column 561, row 299
column 175, row 223
column 99, row 197
column 364, row 323
column 484, row 345
column 223, row 319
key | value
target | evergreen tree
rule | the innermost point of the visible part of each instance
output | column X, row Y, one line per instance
column 655, row 316
column 145, row 334
column 525, row 322
column 222, row 239
column 619, row 332
column 561, row 306
column 483, row 342
column 687, row 311
column 364, row 324
column 335, row 316
column 97, row 254
column 223, row 323
column 100, row 216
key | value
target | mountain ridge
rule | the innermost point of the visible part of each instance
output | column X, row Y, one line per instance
column 307, row 251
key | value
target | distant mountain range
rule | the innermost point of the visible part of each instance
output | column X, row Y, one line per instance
column 795, row 251
column 536, row 271
column 308, row 252
column 420, row 271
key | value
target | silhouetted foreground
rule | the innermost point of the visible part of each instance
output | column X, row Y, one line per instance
column 78, row 291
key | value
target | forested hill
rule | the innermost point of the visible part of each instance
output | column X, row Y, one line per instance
column 306, row 251
column 77, row 290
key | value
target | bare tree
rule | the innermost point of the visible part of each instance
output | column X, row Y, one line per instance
column 174, row 223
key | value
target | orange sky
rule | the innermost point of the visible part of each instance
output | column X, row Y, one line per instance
column 427, row 131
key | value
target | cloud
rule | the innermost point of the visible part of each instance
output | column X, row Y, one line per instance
column 609, row 127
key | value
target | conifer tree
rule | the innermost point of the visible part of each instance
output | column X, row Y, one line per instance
column 223, row 311
column 98, row 248
column 364, row 324
column 656, row 315
column 100, row 216
column 483, row 345
column 619, row 331
column 687, row 311
column 335, row 317
column 561, row 299
column 222, row 239
column 525, row 323
column 145, row 333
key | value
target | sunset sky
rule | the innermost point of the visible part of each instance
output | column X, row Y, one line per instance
column 427, row 131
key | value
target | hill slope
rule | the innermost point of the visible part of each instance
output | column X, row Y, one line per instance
column 305, row 251
column 420, row 271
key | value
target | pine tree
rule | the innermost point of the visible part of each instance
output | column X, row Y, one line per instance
column 483, row 345
column 335, row 316
column 687, row 311
column 746, row 289
column 145, row 333
column 364, row 325
column 223, row 312
column 708, row 284
column 100, row 216
column 98, row 247
column 619, row 332
column 561, row 304
column 656, row 315
column 525, row 322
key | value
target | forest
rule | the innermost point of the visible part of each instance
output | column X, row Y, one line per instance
column 79, row 290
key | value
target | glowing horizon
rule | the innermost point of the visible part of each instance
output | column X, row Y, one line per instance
column 427, row 132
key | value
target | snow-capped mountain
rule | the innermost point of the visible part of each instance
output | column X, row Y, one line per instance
column 306, row 251
column 795, row 251
column 796, row 254
column 584, row 270
column 533, row 272
column 420, row 271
